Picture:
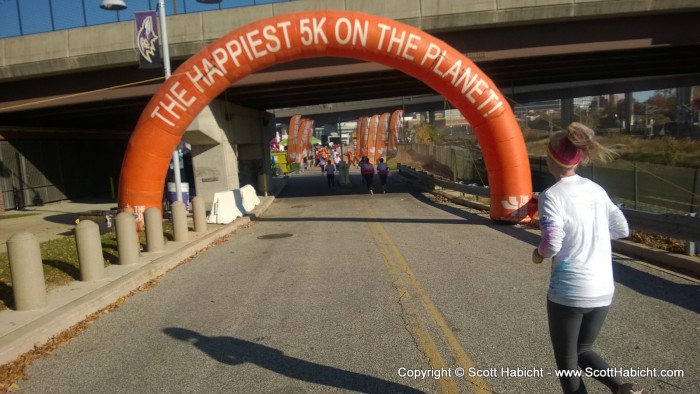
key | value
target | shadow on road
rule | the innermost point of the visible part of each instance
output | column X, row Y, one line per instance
column 234, row 351
column 683, row 295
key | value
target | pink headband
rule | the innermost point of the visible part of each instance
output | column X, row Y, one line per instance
column 567, row 156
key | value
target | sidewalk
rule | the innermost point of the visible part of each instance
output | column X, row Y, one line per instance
column 50, row 221
column 68, row 305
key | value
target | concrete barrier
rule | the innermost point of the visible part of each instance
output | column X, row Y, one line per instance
column 246, row 198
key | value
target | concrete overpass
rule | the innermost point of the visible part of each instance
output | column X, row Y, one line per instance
column 531, row 49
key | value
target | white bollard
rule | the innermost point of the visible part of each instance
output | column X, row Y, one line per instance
column 154, row 230
column 180, row 227
column 199, row 214
column 27, row 271
column 89, row 245
column 128, row 244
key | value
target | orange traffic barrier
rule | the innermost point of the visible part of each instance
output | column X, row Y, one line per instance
column 289, row 37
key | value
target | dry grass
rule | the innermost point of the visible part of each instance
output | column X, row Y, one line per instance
column 666, row 151
column 411, row 158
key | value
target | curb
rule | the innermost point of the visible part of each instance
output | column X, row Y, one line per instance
column 25, row 337
column 673, row 261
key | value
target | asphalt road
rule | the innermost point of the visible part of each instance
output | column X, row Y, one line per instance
column 342, row 291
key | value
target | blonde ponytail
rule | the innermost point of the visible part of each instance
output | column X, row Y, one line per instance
column 582, row 137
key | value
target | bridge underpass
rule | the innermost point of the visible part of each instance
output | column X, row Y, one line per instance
column 563, row 64
column 528, row 62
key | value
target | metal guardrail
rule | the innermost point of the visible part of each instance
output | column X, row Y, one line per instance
column 460, row 187
column 683, row 227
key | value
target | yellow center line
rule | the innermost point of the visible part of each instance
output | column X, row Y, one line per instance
column 425, row 341
column 459, row 353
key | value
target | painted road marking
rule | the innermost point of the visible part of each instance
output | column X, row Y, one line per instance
column 392, row 258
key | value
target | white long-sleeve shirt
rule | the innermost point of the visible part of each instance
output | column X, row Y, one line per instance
column 577, row 222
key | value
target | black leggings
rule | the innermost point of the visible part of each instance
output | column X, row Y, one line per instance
column 369, row 179
column 573, row 331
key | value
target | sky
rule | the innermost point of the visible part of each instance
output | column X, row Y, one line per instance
column 643, row 96
column 22, row 17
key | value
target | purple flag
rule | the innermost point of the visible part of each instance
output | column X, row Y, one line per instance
column 147, row 39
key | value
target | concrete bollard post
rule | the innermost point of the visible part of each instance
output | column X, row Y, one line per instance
column 89, row 244
column 344, row 172
column 27, row 272
column 154, row 230
column 127, row 239
column 262, row 183
column 179, row 221
column 691, row 247
column 199, row 214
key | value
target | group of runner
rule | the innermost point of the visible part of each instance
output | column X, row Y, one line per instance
column 367, row 171
column 328, row 159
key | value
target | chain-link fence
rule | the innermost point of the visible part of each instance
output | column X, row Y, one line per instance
column 641, row 186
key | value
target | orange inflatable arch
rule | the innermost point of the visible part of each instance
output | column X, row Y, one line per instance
column 335, row 34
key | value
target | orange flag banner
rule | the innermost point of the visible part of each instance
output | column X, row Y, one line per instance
column 292, row 139
column 372, row 138
column 305, row 138
column 395, row 128
column 382, row 133
column 363, row 135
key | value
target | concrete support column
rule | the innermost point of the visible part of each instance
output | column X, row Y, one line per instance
column 263, row 183
column 567, row 112
column 27, row 272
